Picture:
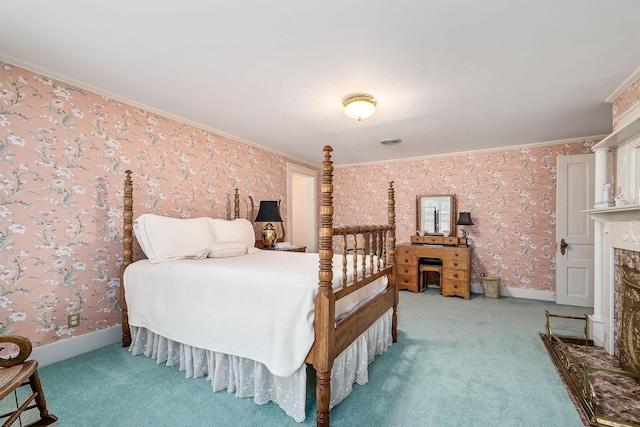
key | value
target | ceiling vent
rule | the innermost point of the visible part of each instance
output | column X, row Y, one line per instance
column 390, row 141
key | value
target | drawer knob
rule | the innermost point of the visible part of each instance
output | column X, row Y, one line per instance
column 455, row 286
column 455, row 264
column 406, row 260
column 456, row 254
column 406, row 270
column 406, row 280
column 455, row 274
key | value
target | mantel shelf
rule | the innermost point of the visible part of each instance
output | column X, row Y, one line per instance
column 612, row 210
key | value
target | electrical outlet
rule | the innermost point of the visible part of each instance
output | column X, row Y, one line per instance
column 74, row 320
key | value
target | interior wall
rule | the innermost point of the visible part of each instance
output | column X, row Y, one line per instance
column 64, row 151
column 511, row 195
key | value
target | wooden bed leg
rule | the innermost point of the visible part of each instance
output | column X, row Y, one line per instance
column 323, row 397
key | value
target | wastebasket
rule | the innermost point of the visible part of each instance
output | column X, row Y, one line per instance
column 491, row 287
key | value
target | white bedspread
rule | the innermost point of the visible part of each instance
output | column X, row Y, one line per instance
column 257, row 306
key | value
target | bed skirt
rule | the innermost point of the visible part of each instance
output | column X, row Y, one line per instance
column 247, row 378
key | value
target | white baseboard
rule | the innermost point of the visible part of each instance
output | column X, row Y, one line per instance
column 597, row 332
column 519, row 293
column 63, row 350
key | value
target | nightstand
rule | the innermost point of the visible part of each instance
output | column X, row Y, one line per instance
column 291, row 248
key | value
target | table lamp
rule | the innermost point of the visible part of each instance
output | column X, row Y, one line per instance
column 464, row 219
column 268, row 213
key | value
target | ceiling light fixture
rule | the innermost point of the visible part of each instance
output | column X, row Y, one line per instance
column 359, row 106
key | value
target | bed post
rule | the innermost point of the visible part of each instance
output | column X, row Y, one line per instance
column 127, row 243
column 324, row 345
column 236, row 205
column 391, row 241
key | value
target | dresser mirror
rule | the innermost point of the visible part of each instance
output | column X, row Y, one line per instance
column 436, row 214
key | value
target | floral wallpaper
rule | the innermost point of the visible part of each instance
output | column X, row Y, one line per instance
column 511, row 195
column 629, row 98
column 64, row 151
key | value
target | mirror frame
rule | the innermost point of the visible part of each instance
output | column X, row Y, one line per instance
column 453, row 208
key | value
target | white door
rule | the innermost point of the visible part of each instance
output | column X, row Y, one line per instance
column 574, row 230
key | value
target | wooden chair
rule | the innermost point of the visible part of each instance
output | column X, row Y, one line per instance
column 423, row 270
column 16, row 371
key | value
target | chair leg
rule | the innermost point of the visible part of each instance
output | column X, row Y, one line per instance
column 18, row 412
column 36, row 387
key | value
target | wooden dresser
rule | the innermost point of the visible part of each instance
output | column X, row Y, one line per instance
column 456, row 267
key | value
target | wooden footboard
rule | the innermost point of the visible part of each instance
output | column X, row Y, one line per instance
column 376, row 251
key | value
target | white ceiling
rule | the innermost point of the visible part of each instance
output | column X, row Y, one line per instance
column 449, row 76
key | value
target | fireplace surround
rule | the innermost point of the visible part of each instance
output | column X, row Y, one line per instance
column 614, row 324
column 627, row 316
column 617, row 163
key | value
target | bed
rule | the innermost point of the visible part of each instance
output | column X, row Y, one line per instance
column 334, row 310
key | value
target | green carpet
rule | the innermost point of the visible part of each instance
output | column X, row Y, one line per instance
column 457, row 363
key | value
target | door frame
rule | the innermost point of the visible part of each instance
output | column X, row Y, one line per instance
column 293, row 169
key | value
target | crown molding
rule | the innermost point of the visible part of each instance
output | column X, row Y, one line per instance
column 486, row 150
column 624, row 86
column 123, row 99
column 626, row 118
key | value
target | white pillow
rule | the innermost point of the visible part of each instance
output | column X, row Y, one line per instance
column 136, row 233
column 164, row 238
column 238, row 230
column 227, row 249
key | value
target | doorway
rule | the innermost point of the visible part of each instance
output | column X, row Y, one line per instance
column 302, row 206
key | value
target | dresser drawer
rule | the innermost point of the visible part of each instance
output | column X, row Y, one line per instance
column 407, row 279
column 456, row 284
column 456, row 275
column 406, row 258
column 410, row 270
column 456, row 263
column 429, row 240
column 458, row 253
column 456, row 287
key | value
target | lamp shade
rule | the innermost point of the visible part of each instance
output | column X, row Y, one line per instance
column 268, row 212
column 464, row 219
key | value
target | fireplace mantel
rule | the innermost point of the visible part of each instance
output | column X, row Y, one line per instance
column 617, row 227
column 612, row 210
column 613, row 213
